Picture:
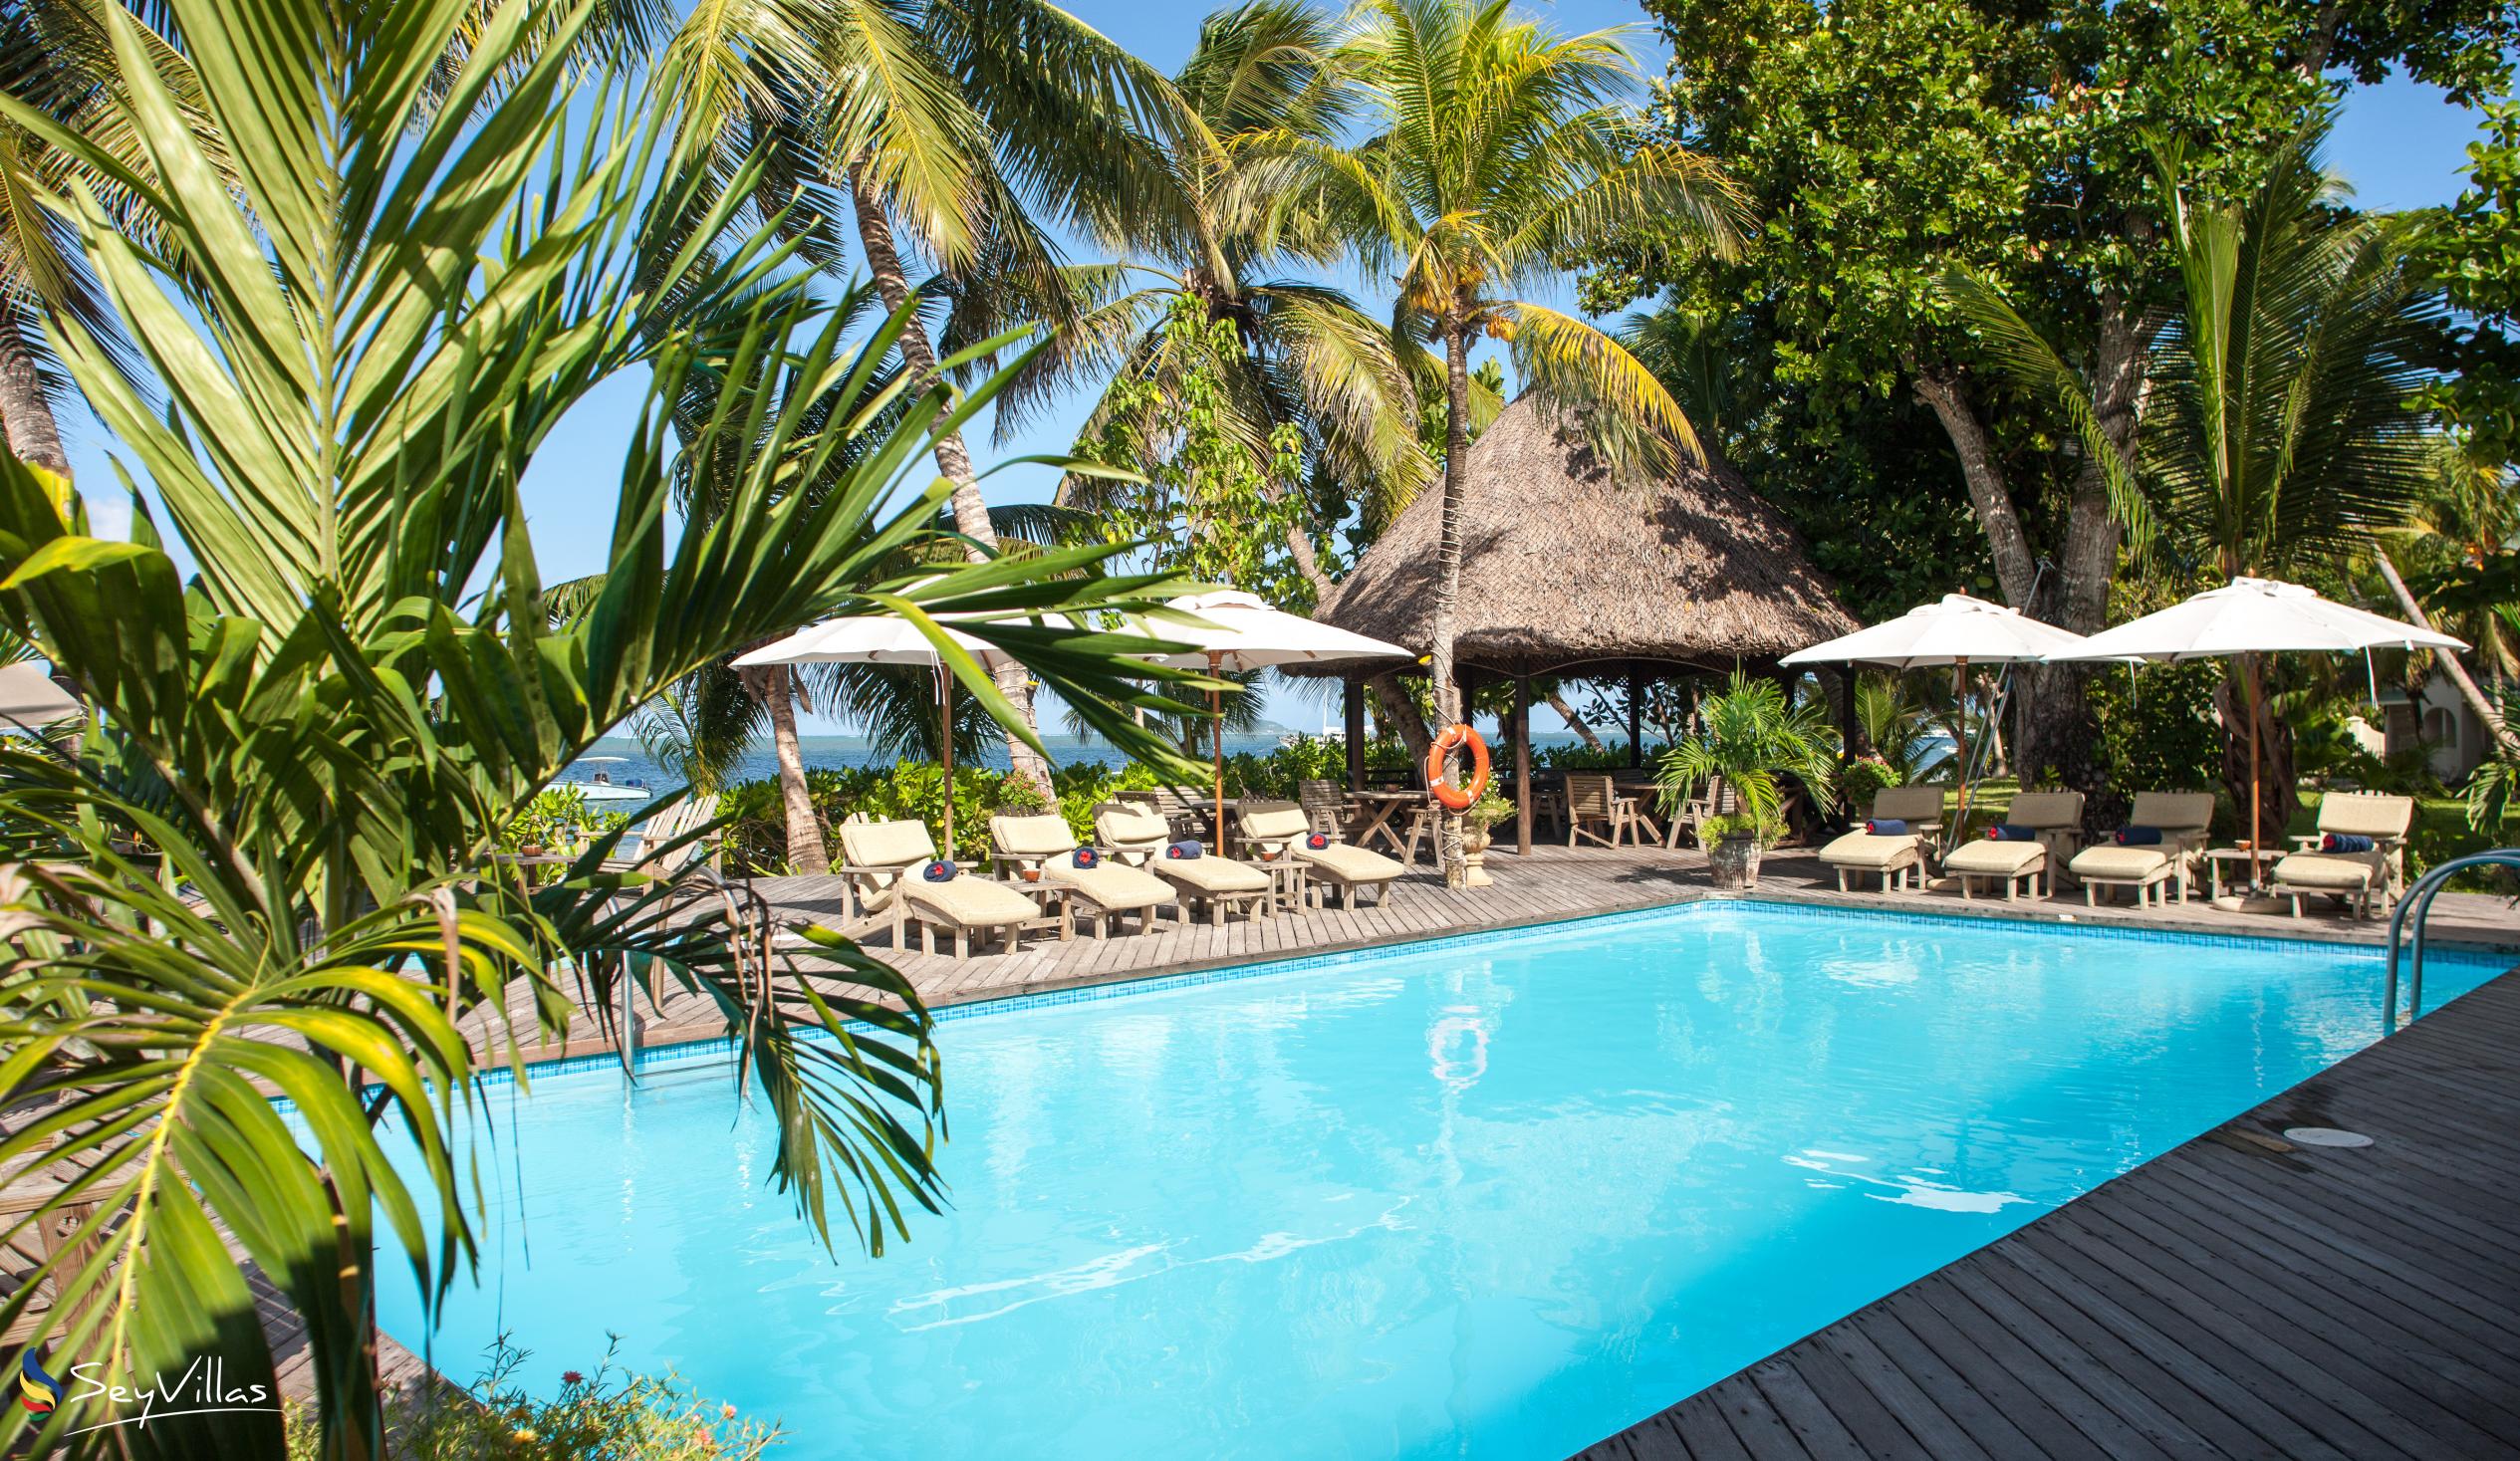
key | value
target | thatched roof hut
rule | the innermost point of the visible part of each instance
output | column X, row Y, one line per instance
column 1566, row 570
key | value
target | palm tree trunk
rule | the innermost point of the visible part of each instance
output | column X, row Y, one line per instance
column 1456, row 352
column 1573, row 722
column 34, row 436
column 953, row 457
column 2485, row 711
column 775, row 688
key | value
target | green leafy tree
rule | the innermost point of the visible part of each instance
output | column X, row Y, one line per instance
column 1885, row 142
column 2286, row 423
column 323, row 735
column 1495, row 150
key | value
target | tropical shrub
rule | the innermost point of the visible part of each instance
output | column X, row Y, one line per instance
column 2158, row 732
column 1863, row 778
column 605, row 1414
column 1752, row 738
column 363, row 319
column 560, row 820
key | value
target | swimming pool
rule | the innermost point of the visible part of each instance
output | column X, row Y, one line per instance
column 1498, row 1196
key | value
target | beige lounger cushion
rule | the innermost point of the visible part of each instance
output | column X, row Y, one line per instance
column 1343, row 863
column 2338, row 872
column 904, row 844
column 1863, row 849
column 1989, row 857
column 973, row 902
column 1288, row 821
column 2113, row 863
column 1908, row 804
column 1210, row 874
column 1111, row 885
column 2367, row 814
column 1032, row 836
column 1138, row 828
column 2045, row 811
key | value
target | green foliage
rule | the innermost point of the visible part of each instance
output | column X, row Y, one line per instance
column 1897, row 723
column 2474, row 251
column 604, row 1414
column 361, row 337
column 1209, row 506
column 2493, row 789
column 1863, row 778
column 558, row 819
column 2161, row 734
column 1752, row 738
column 1740, row 824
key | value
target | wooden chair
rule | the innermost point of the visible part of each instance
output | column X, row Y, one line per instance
column 1592, row 802
column 1326, row 803
column 651, row 849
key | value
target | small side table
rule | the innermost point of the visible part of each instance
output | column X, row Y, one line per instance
column 1051, row 898
column 2252, row 857
column 1290, row 883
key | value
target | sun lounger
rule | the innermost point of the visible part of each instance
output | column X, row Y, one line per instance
column 2149, row 869
column 2350, row 876
column 881, row 865
column 1279, row 829
column 1137, row 836
column 1896, row 857
column 2055, row 821
column 1100, row 893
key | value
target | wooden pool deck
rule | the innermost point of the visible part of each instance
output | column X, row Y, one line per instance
column 2240, row 1295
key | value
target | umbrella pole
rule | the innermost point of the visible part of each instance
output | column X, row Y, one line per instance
column 946, row 740
column 2257, row 798
column 1960, row 687
column 1216, row 715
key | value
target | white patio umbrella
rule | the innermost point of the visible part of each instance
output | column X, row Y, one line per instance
column 882, row 639
column 29, row 698
column 1954, row 630
column 2252, row 617
column 1239, row 632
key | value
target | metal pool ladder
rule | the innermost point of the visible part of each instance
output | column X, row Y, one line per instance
column 2417, row 902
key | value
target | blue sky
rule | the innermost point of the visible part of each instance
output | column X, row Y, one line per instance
column 2399, row 144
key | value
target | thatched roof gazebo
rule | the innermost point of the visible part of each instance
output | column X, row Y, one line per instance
column 1569, row 569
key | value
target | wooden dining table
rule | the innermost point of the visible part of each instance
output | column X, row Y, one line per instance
column 1378, row 809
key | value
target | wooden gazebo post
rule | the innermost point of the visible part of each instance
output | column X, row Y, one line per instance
column 1352, row 711
column 1636, row 718
column 1522, row 765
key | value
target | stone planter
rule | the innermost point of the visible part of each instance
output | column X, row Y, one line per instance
column 1736, row 862
column 1474, row 842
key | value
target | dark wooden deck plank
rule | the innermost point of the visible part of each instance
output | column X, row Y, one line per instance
column 2237, row 1296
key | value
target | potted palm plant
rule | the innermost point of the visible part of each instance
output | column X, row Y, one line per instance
column 1749, row 738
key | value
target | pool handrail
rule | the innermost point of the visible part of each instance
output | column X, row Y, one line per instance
column 2417, row 902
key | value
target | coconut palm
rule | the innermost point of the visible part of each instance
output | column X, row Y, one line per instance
column 1498, row 149
column 322, row 733
column 959, row 129
column 1303, row 355
column 2284, row 422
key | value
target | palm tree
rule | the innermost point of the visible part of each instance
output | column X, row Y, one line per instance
column 56, row 56
column 958, row 127
column 1304, row 355
column 325, row 730
column 2284, row 423
column 1501, row 150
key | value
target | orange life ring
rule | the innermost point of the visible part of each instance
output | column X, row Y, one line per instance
column 1453, row 738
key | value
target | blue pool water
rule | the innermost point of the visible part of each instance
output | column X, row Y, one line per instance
column 1494, row 1197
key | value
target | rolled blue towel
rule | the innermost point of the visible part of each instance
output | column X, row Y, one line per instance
column 1185, row 847
column 2345, row 842
column 2011, row 832
column 1317, row 841
column 1887, row 826
column 1085, row 858
column 938, row 871
column 2138, row 837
